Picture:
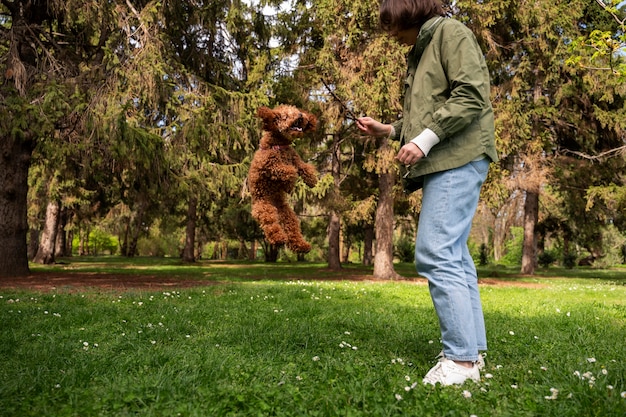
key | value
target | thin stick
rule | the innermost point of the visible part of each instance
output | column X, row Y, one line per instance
column 349, row 113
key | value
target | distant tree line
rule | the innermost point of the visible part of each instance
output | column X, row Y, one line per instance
column 136, row 120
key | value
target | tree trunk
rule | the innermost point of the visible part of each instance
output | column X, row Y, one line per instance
column 215, row 255
column 83, row 244
column 60, row 248
column 271, row 253
column 190, row 233
column 33, row 243
column 125, row 238
column 334, row 231
column 368, row 244
column 252, row 251
column 68, row 245
column 135, row 232
column 224, row 250
column 45, row 254
column 347, row 247
column 15, row 155
column 529, row 249
column 383, row 259
column 334, row 224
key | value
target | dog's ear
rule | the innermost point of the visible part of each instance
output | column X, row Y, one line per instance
column 268, row 116
column 265, row 113
column 311, row 122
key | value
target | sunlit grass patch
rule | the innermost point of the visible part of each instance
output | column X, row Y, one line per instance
column 297, row 347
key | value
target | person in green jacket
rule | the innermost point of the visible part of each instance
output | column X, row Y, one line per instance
column 447, row 144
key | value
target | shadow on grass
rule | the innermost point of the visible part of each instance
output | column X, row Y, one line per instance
column 158, row 272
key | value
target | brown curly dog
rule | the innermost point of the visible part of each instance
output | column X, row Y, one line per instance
column 273, row 173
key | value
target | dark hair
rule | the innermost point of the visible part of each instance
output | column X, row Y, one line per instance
column 408, row 14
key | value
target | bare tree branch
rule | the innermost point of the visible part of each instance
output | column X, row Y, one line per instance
column 606, row 154
column 602, row 4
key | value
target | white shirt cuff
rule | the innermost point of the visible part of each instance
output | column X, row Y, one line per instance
column 426, row 140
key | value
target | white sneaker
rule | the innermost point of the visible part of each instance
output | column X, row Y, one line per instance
column 446, row 372
column 480, row 363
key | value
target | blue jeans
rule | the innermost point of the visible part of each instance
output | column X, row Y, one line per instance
column 449, row 203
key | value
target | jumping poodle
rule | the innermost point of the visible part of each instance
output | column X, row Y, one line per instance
column 273, row 173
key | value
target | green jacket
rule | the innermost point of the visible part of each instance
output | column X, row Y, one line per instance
column 447, row 91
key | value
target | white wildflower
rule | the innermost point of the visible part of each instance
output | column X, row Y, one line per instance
column 591, row 360
column 467, row 394
column 316, row 358
column 398, row 397
column 553, row 396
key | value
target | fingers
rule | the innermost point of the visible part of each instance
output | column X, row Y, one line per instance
column 371, row 127
column 409, row 154
column 365, row 124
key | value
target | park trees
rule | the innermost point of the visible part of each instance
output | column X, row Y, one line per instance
column 223, row 63
column 142, row 111
column 545, row 110
column 169, row 76
column 51, row 53
column 355, row 73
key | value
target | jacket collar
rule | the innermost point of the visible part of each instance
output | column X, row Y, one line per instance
column 423, row 38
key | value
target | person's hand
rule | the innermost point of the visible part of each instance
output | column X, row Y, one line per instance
column 409, row 154
column 373, row 127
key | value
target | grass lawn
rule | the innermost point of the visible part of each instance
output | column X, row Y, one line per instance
column 275, row 340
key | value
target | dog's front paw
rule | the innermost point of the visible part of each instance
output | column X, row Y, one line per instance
column 311, row 182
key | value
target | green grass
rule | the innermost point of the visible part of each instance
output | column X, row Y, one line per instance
column 269, row 341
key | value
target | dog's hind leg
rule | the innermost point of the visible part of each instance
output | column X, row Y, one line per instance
column 266, row 214
column 291, row 225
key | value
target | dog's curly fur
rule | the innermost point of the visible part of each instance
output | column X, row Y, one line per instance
column 273, row 173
